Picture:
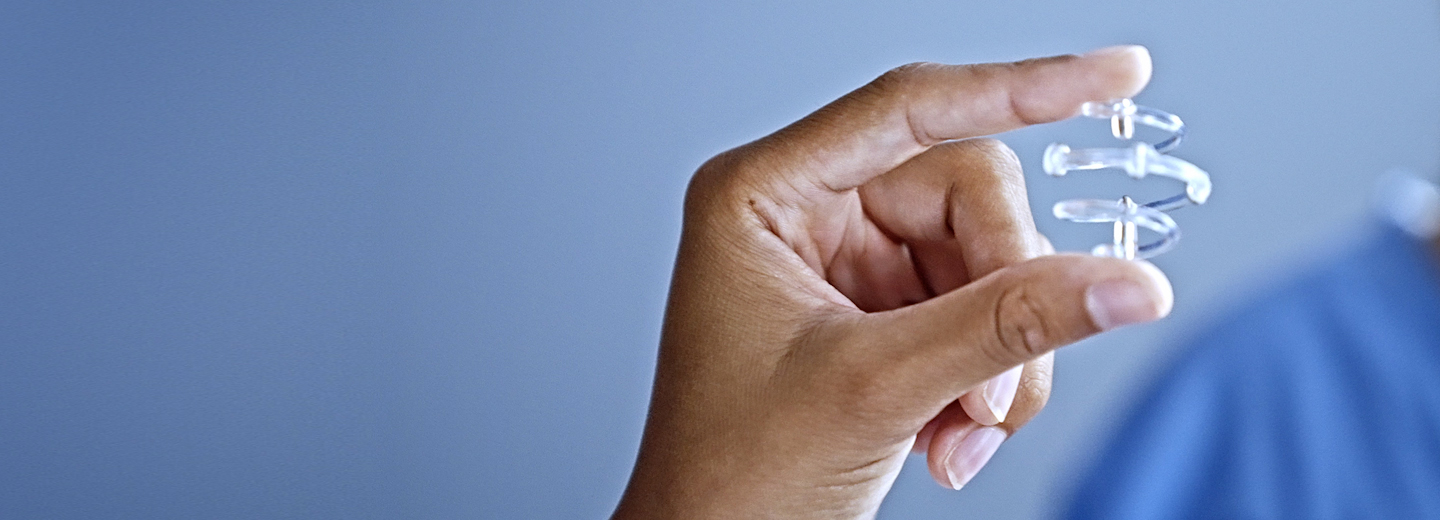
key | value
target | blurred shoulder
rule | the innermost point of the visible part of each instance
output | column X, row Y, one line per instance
column 1323, row 305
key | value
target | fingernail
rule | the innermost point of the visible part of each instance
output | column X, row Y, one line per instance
column 1116, row 303
column 971, row 454
column 1114, row 50
column 1000, row 392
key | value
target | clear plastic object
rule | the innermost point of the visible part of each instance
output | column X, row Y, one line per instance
column 1138, row 161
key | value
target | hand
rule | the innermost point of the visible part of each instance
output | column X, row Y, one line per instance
column 847, row 284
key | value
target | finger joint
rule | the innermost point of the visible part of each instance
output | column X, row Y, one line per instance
column 1020, row 325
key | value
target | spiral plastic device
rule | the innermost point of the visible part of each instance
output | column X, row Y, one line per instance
column 1137, row 160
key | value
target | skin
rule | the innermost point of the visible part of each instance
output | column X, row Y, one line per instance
column 846, row 286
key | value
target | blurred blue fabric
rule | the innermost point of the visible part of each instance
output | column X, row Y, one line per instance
column 1315, row 401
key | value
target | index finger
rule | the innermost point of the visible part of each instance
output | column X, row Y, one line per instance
column 881, row 125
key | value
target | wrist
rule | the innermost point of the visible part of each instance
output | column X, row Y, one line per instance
column 732, row 488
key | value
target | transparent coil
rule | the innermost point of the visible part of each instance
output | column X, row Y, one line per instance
column 1138, row 160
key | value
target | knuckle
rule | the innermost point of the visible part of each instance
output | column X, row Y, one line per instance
column 1021, row 325
column 703, row 182
column 898, row 86
column 717, row 181
column 1035, row 390
column 1047, row 60
column 981, row 153
column 1037, row 396
column 904, row 76
column 1030, row 398
column 999, row 154
column 1020, row 100
column 991, row 72
column 1023, row 411
column 989, row 153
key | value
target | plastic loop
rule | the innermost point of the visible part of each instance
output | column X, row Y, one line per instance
column 1138, row 160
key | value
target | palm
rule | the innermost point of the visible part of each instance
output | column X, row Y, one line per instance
column 911, row 234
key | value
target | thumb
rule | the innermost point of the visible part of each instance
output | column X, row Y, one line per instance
column 952, row 342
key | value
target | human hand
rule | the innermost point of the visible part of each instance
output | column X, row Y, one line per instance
column 848, row 284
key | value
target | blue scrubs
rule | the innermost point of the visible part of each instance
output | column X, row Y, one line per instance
column 1319, row 400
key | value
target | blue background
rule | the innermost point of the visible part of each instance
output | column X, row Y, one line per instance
column 408, row 260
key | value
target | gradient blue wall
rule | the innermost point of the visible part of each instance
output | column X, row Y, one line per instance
column 408, row 260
